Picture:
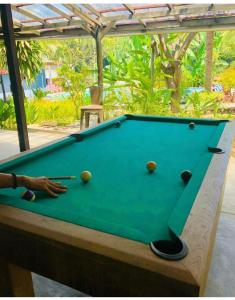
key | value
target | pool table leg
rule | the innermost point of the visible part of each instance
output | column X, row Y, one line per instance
column 15, row 281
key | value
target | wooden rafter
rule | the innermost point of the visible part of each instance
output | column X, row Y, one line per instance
column 188, row 9
column 129, row 8
column 92, row 10
column 143, row 23
column 58, row 11
column 28, row 14
column 17, row 23
column 175, row 18
column 85, row 17
column 106, row 29
column 86, row 28
column 56, row 26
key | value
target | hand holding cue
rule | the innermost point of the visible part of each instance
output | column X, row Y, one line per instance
column 62, row 177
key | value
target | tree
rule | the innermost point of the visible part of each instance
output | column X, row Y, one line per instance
column 30, row 60
column 75, row 82
column 209, row 60
column 71, row 52
column 138, row 73
column 29, row 54
column 172, row 48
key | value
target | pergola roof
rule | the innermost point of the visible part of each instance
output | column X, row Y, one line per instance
column 35, row 21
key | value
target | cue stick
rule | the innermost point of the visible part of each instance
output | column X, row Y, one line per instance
column 62, row 177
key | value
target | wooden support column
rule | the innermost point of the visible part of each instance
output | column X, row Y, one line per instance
column 153, row 54
column 14, row 73
column 209, row 60
column 3, row 88
column 99, row 61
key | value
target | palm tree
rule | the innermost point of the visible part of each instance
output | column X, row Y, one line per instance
column 30, row 59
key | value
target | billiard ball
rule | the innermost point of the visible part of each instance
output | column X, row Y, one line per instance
column 28, row 195
column 151, row 166
column 117, row 124
column 85, row 176
column 186, row 175
column 191, row 125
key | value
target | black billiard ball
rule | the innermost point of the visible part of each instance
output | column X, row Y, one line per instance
column 28, row 195
column 117, row 124
column 191, row 125
column 186, row 175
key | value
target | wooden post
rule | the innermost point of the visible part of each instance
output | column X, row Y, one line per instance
column 209, row 60
column 14, row 73
column 99, row 63
column 153, row 54
column 3, row 88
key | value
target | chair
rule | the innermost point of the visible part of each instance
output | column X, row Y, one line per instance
column 94, row 109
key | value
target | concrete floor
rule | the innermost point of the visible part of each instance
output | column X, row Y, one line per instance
column 221, row 278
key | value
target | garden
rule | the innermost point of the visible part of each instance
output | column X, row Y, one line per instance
column 146, row 74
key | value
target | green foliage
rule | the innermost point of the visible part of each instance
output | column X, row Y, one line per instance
column 131, row 71
column 7, row 114
column 31, row 111
column 30, row 58
column 71, row 52
column 39, row 93
column 227, row 49
column 194, row 62
column 75, row 83
column 202, row 103
column 227, row 78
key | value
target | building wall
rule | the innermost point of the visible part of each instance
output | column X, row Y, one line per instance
column 39, row 82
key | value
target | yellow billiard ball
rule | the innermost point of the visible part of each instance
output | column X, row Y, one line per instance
column 151, row 166
column 86, row 176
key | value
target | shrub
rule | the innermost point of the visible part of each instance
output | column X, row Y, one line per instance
column 200, row 103
column 39, row 94
column 227, row 78
column 7, row 114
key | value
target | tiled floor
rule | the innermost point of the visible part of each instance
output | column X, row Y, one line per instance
column 221, row 279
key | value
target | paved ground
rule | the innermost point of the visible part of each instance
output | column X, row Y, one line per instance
column 221, row 279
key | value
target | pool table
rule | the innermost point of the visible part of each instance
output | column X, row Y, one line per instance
column 127, row 232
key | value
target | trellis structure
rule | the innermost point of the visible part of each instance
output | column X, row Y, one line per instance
column 38, row 21
column 71, row 20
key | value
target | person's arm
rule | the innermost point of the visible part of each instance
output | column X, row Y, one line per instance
column 32, row 183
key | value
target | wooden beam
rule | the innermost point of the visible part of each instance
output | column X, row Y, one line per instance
column 129, row 8
column 87, row 28
column 28, row 14
column 58, row 11
column 81, row 15
column 99, row 61
column 59, row 25
column 92, row 10
column 154, row 27
column 17, row 23
column 143, row 23
column 104, row 31
column 14, row 73
column 189, row 9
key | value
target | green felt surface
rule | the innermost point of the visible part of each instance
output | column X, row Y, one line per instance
column 123, row 198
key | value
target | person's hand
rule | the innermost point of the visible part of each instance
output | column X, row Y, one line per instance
column 43, row 184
